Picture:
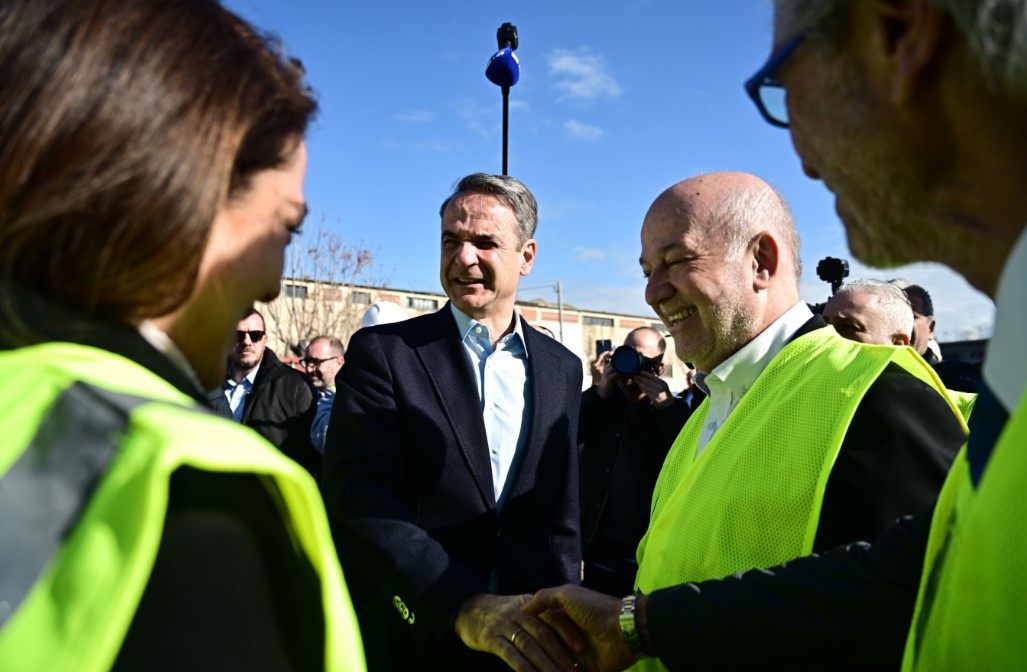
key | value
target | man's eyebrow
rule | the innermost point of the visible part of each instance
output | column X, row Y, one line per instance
column 479, row 238
column 662, row 251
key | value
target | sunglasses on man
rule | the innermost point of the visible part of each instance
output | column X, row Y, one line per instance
column 254, row 335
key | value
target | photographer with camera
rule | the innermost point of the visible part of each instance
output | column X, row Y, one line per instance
column 629, row 419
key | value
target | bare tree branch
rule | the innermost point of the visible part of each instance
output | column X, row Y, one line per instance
column 317, row 291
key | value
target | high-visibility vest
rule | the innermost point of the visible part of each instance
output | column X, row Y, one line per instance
column 971, row 608
column 753, row 496
column 90, row 441
column 964, row 402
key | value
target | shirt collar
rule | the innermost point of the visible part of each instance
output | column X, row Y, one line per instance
column 1005, row 368
column 465, row 323
column 740, row 370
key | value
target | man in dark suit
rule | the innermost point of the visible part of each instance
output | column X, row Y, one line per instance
column 450, row 464
column 263, row 393
column 791, row 406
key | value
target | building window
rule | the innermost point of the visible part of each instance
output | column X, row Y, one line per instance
column 360, row 297
column 597, row 321
column 422, row 304
column 296, row 291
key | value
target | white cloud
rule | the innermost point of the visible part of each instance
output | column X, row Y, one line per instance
column 479, row 120
column 581, row 76
column 577, row 130
column 589, row 255
column 414, row 116
column 435, row 146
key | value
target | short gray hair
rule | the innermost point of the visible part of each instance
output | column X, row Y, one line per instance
column 507, row 189
column 895, row 308
column 995, row 32
column 746, row 209
column 334, row 345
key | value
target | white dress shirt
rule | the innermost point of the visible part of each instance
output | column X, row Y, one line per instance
column 501, row 375
column 728, row 383
column 237, row 393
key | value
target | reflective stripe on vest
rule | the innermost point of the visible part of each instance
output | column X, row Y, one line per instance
column 43, row 493
column 81, row 603
column 972, row 603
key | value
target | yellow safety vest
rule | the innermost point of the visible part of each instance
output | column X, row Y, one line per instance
column 964, row 402
column 70, row 607
column 971, row 608
column 753, row 497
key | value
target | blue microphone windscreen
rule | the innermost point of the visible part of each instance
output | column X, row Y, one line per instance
column 503, row 69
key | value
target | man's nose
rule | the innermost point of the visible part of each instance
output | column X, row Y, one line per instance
column 656, row 288
column 467, row 254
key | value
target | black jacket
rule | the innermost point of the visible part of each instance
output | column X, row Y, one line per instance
column 622, row 447
column 280, row 408
column 409, row 492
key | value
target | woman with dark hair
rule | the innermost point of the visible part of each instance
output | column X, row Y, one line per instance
column 151, row 175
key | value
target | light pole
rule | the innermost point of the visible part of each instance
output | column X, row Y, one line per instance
column 559, row 301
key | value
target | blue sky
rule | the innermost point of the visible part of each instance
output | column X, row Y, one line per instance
column 617, row 101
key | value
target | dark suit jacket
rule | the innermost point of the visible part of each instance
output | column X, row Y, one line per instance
column 280, row 408
column 408, row 487
column 896, row 453
column 851, row 607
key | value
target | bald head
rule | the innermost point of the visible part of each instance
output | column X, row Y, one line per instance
column 721, row 255
column 734, row 208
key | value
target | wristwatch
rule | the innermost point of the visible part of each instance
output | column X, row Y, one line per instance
column 627, row 626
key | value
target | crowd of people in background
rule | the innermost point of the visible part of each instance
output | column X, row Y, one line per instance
column 443, row 491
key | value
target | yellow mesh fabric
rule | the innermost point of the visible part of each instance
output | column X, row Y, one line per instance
column 78, row 611
column 971, row 613
column 752, row 498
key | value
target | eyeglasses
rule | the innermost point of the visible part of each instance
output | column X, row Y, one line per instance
column 254, row 335
column 314, row 362
column 766, row 91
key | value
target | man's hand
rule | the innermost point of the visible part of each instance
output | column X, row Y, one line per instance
column 573, row 611
column 603, row 376
column 496, row 624
column 655, row 388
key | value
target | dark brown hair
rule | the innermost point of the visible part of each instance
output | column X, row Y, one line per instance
column 124, row 127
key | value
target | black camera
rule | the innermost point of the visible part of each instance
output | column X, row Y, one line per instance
column 629, row 362
column 833, row 270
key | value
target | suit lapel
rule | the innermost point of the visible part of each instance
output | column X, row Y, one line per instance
column 542, row 365
column 449, row 371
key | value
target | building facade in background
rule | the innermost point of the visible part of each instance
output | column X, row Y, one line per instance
column 306, row 309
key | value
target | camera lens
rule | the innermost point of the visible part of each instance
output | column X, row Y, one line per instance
column 627, row 361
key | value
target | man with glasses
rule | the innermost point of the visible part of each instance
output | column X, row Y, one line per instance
column 912, row 112
column 324, row 358
column 322, row 363
column 266, row 395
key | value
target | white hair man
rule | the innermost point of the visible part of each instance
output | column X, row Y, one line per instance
column 871, row 311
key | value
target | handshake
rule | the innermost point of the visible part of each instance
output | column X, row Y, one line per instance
column 564, row 628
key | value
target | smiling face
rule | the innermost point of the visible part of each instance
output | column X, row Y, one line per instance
column 482, row 258
column 703, row 294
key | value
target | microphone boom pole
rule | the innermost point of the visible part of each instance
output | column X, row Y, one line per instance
column 503, row 70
